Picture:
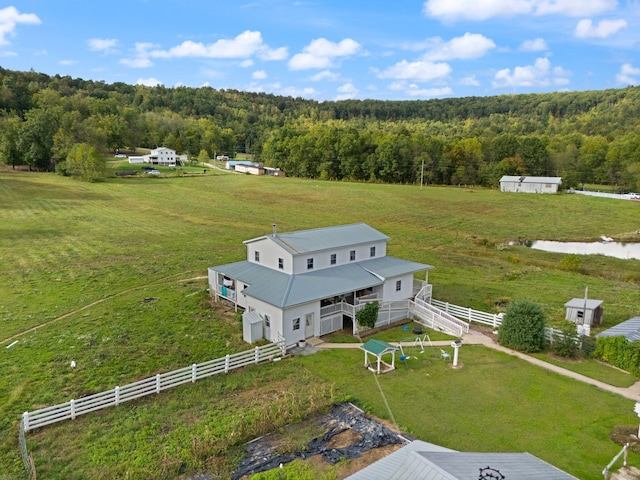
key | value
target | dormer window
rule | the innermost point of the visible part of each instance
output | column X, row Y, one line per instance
column 372, row 252
column 256, row 256
column 309, row 263
column 352, row 255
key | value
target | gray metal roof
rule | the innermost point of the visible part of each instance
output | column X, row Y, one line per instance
column 386, row 467
column 579, row 303
column 283, row 290
column 319, row 239
column 425, row 461
column 629, row 329
column 467, row 465
column 525, row 179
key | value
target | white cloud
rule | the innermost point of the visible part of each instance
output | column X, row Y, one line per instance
column 10, row 17
column 67, row 62
column 141, row 56
column 413, row 90
column 325, row 75
column 321, row 52
column 347, row 92
column 628, row 75
column 470, row 81
column 247, row 63
column 259, row 75
column 537, row 45
column 417, row 71
column 470, row 45
column 149, row 82
column 105, row 45
column 538, row 74
column 484, row 9
column 604, row 29
column 6, row 53
column 244, row 45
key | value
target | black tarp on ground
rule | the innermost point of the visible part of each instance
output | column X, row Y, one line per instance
column 260, row 456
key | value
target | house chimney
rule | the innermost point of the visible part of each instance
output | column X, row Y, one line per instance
column 274, row 229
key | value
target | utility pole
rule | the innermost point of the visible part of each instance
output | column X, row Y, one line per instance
column 422, row 174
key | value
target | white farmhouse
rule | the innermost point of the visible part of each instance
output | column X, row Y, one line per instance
column 162, row 156
column 308, row 283
column 514, row 183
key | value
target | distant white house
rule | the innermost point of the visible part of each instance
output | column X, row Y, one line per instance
column 308, row 283
column 246, row 166
column 162, row 156
column 136, row 160
column 514, row 183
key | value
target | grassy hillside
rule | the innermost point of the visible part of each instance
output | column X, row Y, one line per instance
column 78, row 259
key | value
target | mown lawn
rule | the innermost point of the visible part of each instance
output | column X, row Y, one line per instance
column 496, row 402
column 77, row 260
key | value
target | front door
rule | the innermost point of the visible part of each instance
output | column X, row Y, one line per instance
column 308, row 325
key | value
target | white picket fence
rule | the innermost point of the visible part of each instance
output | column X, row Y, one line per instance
column 468, row 314
column 437, row 318
column 156, row 384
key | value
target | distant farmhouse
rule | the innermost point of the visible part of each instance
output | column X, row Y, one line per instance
column 246, row 166
column 306, row 284
column 513, row 183
column 158, row 156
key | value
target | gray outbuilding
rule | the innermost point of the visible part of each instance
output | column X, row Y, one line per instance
column 629, row 329
column 514, row 183
column 583, row 311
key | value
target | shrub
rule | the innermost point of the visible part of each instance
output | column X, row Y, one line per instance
column 564, row 344
column 620, row 352
column 571, row 263
column 368, row 316
column 522, row 327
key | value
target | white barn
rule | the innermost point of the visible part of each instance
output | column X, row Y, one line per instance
column 514, row 183
column 308, row 283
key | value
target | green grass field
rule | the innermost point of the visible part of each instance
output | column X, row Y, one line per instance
column 77, row 260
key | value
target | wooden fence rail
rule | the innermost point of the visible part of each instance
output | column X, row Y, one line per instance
column 468, row 314
column 162, row 381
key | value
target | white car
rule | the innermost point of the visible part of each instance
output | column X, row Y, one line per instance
column 120, row 155
column 153, row 172
column 634, row 196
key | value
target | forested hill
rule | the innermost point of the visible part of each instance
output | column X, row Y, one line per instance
column 590, row 136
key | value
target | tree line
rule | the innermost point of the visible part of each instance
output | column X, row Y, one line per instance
column 584, row 137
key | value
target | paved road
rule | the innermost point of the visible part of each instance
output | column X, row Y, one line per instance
column 477, row 338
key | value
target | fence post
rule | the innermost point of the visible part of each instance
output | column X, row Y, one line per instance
column 256, row 354
column 73, row 409
column 226, row 363
column 158, row 383
column 470, row 316
column 193, row 373
column 446, row 307
column 117, row 391
column 25, row 419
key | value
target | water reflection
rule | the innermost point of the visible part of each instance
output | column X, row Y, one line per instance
column 610, row 249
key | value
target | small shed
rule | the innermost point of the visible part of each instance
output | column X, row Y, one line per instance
column 515, row 183
column 378, row 348
column 629, row 329
column 251, row 327
column 582, row 311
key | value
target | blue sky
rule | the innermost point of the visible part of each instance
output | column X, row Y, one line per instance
column 329, row 49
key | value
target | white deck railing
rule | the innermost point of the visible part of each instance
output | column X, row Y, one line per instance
column 162, row 381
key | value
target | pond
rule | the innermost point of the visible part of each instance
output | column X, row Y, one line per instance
column 625, row 251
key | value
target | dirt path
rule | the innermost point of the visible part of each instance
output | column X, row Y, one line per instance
column 86, row 307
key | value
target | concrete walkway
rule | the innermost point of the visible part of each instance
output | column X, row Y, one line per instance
column 477, row 338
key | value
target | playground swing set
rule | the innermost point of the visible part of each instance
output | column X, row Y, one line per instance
column 414, row 346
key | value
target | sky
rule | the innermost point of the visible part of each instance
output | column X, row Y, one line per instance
column 330, row 49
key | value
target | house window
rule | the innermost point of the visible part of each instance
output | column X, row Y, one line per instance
column 352, row 255
column 372, row 252
column 296, row 323
column 309, row 263
column 398, row 285
column 257, row 255
column 333, row 259
column 267, row 321
column 281, row 263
